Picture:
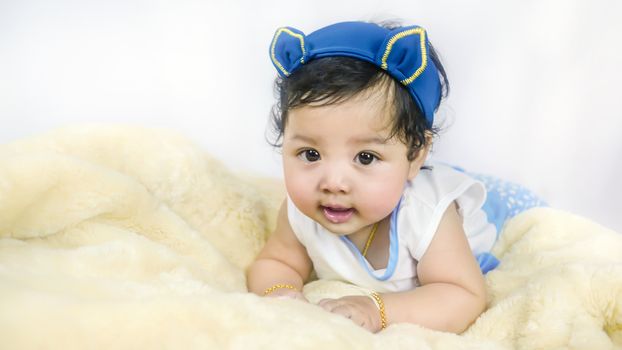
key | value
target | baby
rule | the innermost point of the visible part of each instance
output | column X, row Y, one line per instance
column 355, row 122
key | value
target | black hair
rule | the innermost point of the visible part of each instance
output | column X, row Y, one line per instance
column 332, row 80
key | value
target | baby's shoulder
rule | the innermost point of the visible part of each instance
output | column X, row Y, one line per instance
column 435, row 183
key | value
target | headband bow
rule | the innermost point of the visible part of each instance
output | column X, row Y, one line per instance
column 402, row 52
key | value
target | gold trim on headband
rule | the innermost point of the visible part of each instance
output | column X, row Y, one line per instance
column 424, row 54
column 272, row 48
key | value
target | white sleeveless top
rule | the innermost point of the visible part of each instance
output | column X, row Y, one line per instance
column 413, row 225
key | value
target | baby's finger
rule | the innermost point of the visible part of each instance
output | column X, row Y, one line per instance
column 343, row 310
column 327, row 304
column 301, row 297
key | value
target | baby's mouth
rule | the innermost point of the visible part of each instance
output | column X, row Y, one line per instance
column 337, row 215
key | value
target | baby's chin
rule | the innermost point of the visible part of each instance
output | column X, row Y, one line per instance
column 339, row 229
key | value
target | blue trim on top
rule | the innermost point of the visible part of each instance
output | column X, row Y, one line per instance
column 393, row 245
column 393, row 249
column 362, row 261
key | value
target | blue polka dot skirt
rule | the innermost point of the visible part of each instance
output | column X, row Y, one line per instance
column 506, row 199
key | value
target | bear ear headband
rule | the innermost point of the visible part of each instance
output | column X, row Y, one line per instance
column 402, row 52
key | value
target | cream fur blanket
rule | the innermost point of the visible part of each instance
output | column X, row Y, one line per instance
column 126, row 238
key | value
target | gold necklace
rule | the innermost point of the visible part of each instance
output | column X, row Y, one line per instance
column 370, row 238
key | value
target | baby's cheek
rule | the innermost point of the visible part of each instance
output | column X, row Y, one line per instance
column 383, row 200
column 300, row 192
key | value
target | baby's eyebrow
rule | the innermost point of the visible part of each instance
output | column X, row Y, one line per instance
column 373, row 139
column 357, row 140
column 303, row 138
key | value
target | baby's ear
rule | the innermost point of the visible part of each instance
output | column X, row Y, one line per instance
column 420, row 158
column 429, row 137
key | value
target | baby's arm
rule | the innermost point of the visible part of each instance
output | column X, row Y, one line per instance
column 282, row 261
column 452, row 292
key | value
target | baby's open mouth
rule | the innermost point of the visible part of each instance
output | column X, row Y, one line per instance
column 337, row 215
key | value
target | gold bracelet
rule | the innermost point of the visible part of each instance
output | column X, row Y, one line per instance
column 380, row 304
column 278, row 286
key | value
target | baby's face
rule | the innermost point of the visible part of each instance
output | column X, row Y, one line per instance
column 340, row 169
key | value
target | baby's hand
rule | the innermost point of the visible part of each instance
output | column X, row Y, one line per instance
column 360, row 309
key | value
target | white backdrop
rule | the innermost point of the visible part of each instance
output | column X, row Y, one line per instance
column 535, row 84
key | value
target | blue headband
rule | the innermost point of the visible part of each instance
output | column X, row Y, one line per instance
column 402, row 52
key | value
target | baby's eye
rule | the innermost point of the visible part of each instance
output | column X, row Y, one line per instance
column 365, row 158
column 309, row 155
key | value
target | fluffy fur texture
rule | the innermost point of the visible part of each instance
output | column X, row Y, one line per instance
column 126, row 238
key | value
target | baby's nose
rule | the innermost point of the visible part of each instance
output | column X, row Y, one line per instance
column 335, row 180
